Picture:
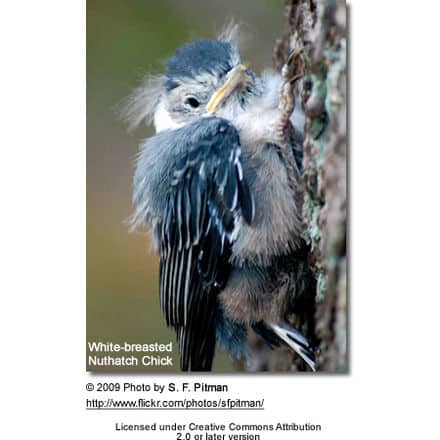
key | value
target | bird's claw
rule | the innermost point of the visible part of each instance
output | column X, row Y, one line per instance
column 292, row 69
column 291, row 72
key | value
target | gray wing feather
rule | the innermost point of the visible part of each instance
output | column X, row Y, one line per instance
column 206, row 199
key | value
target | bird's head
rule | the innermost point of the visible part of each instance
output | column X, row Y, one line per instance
column 202, row 78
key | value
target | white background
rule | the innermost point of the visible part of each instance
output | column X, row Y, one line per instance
column 393, row 388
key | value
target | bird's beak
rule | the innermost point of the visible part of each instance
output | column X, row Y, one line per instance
column 238, row 75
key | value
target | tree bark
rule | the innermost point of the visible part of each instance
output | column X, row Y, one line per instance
column 319, row 27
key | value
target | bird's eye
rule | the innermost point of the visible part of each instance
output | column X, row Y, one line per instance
column 191, row 101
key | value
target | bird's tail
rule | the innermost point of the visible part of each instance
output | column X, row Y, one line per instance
column 294, row 339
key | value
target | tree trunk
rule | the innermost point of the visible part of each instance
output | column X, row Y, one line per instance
column 319, row 27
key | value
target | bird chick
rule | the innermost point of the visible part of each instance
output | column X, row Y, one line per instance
column 223, row 199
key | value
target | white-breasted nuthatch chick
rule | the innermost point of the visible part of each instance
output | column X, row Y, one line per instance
column 219, row 184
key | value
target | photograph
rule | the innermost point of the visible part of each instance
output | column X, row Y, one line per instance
column 217, row 180
column 209, row 218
